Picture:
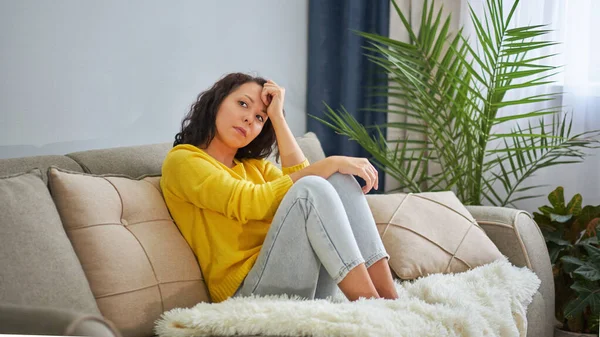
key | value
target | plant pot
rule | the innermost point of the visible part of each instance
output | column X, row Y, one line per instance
column 562, row 333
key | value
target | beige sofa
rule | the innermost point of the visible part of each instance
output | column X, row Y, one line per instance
column 44, row 289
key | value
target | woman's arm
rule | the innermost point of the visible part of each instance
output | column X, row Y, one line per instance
column 346, row 165
column 323, row 168
column 289, row 151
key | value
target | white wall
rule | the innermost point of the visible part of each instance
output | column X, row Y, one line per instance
column 78, row 75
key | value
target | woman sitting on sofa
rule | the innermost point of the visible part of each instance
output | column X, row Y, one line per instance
column 256, row 229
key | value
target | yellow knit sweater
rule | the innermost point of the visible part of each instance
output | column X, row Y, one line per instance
column 223, row 213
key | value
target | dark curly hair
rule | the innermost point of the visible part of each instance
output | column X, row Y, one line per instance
column 199, row 126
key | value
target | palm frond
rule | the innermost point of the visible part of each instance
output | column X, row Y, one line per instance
column 530, row 151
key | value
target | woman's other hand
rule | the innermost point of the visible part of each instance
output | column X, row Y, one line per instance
column 360, row 167
column 273, row 96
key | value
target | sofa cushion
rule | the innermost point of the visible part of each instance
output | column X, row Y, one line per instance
column 311, row 147
column 24, row 164
column 132, row 161
column 38, row 264
column 426, row 233
column 137, row 262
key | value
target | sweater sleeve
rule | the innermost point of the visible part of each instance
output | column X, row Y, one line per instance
column 198, row 181
column 272, row 172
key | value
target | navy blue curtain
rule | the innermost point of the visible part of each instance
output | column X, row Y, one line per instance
column 339, row 73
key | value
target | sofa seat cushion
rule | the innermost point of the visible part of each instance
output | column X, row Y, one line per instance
column 39, row 265
column 427, row 233
column 137, row 262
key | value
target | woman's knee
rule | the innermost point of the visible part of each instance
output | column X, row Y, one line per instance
column 314, row 186
column 339, row 180
column 336, row 183
column 313, row 183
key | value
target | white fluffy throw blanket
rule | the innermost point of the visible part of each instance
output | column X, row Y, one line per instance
column 490, row 300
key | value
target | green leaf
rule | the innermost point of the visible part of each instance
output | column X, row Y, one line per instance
column 589, row 272
column 538, row 113
column 593, row 253
column 554, row 251
column 523, row 189
column 556, row 238
column 574, row 206
column 557, row 200
column 572, row 261
column 526, row 100
column 588, row 213
column 592, row 240
column 587, row 296
column 561, row 218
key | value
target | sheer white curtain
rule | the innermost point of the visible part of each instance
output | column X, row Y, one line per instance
column 575, row 24
column 578, row 28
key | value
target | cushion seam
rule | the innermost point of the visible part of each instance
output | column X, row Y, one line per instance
column 126, row 291
column 162, row 304
column 31, row 172
column 457, row 248
column 445, row 206
column 107, row 175
column 422, row 236
column 169, row 282
column 147, row 221
column 158, row 284
column 392, row 217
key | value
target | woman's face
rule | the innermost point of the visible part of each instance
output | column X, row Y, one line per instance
column 241, row 116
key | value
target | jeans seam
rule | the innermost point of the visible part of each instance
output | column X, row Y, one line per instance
column 273, row 243
column 376, row 257
column 345, row 265
column 346, row 268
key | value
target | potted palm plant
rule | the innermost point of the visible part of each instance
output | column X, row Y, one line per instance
column 450, row 92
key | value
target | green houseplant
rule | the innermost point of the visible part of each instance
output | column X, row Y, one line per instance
column 450, row 92
column 571, row 234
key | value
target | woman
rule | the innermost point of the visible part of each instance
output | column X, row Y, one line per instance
column 256, row 229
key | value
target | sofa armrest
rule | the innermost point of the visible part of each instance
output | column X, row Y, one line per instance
column 520, row 239
column 27, row 320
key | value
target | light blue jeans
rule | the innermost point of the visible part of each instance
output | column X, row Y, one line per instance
column 321, row 230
